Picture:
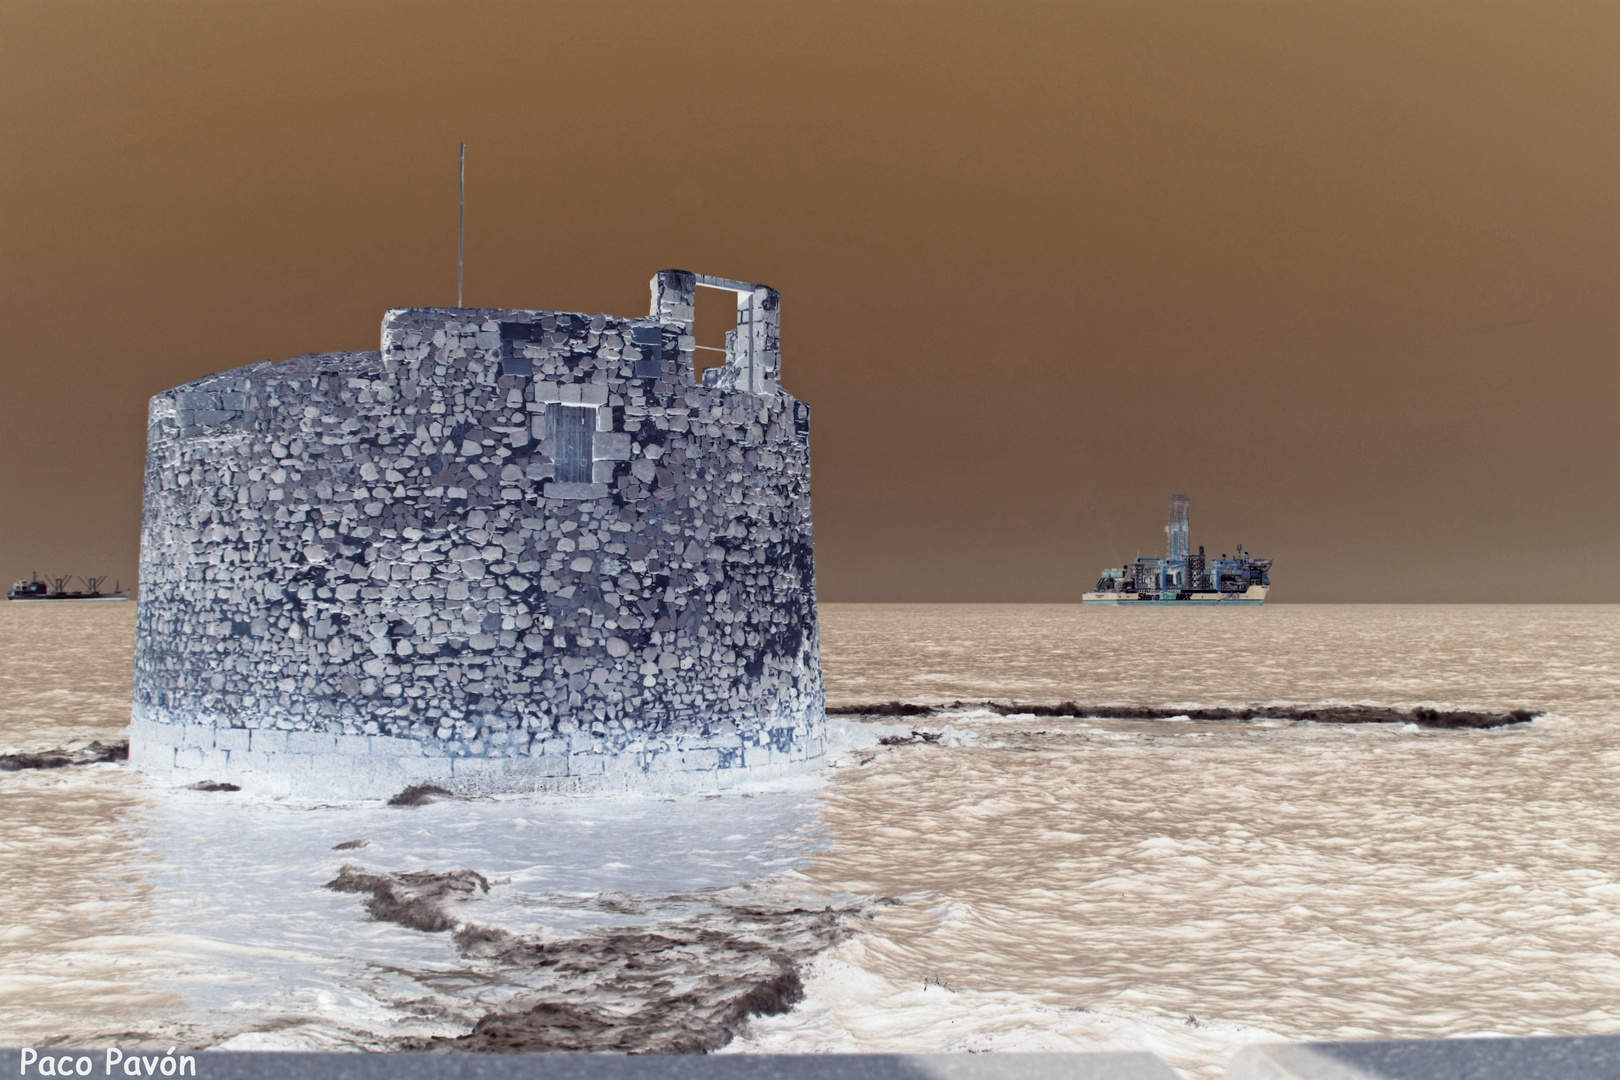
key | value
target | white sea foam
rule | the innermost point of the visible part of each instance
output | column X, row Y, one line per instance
column 202, row 916
column 850, row 1009
column 846, row 735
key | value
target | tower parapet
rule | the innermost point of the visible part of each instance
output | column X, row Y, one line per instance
column 511, row 550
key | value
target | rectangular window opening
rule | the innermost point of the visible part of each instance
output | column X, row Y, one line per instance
column 572, row 427
column 514, row 337
column 650, row 341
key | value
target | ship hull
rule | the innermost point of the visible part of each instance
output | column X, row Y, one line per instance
column 71, row 599
column 1253, row 596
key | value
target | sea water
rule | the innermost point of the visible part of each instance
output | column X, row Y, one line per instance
column 1024, row 883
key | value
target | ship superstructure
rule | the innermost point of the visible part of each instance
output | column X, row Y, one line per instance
column 57, row 589
column 1185, row 577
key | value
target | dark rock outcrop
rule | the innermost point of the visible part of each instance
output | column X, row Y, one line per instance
column 1320, row 714
column 681, row 987
column 93, row 754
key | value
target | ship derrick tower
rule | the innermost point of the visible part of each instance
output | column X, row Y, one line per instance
column 1184, row 576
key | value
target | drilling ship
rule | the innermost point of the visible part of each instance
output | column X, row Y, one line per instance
column 1182, row 578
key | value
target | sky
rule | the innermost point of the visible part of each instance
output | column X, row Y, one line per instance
column 1344, row 273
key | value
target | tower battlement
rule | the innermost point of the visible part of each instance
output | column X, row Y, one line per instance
column 511, row 550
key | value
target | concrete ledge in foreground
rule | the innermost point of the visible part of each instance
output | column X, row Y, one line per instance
column 1588, row 1057
column 234, row 1065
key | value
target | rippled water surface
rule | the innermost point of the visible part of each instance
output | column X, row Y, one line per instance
column 1025, row 883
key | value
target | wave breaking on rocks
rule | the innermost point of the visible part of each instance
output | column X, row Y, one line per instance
column 93, row 754
column 1422, row 716
column 681, row 986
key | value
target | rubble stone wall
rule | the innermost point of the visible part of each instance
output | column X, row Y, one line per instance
column 513, row 550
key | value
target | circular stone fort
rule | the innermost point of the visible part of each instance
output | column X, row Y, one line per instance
column 511, row 551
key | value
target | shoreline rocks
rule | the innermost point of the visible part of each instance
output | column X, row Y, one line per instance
column 1422, row 716
column 93, row 754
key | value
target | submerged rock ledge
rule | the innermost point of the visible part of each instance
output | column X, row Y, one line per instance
column 1422, row 716
column 93, row 754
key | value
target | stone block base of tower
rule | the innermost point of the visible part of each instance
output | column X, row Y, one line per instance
column 324, row 765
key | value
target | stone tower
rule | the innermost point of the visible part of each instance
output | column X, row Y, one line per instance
column 513, row 550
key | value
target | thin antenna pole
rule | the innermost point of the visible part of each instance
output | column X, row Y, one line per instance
column 461, row 232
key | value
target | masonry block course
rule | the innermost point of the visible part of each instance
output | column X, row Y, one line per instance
column 524, row 543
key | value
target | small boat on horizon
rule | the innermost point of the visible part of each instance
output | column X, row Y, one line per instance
column 1184, row 579
column 56, row 590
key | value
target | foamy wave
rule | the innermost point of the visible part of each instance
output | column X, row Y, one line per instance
column 849, row 1009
